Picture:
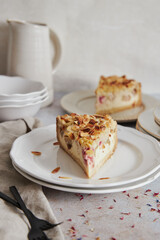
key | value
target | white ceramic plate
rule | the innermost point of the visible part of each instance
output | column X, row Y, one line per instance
column 83, row 102
column 23, row 102
column 136, row 157
column 139, row 128
column 13, row 112
column 126, row 187
column 147, row 122
column 14, row 87
column 157, row 114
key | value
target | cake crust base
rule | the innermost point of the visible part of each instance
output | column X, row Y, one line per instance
column 115, row 110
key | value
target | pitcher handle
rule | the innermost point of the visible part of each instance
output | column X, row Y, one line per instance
column 58, row 50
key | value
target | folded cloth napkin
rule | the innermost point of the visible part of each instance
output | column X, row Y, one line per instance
column 13, row 223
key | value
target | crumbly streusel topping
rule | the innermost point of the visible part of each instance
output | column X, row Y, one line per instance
column 85, row 128
column 114, row 83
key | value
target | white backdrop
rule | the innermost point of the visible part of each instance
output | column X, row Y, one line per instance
column 99, row 37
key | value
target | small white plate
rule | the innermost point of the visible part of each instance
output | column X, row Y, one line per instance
column 121, row 188
column 32, row 100
column 14, row 87
column 147, row 122
column 13, row 112
column 136, row 157
column 83, row 102
column 157, row 114
column 139, row 128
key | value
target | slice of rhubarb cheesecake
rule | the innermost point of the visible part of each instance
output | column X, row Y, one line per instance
column 89, row 139
column 115, row 94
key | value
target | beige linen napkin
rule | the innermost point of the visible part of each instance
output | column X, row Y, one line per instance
column 13, row 224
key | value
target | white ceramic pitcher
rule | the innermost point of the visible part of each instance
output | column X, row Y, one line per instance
column 34, row 52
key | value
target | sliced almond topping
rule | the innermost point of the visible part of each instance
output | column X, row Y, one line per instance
column 74, row 128
column 65, row 177
column 97, row 127
column 71, row 135
column 80, row 120
column 98, row 116
column 92, row 121
column 91, row 132
column 36, row 153
column 106, row 117
column 103, row 178
column 102, row 127
column 86, row 129
column 83, row 134
column 76, row 122
column 56, row 143
column 55, row 170
column 73, row 114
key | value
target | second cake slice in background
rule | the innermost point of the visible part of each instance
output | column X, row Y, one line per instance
column 115, row 94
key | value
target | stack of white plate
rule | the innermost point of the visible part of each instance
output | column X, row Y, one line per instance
column 149, row 122
column 20, row 97
column 135, row 163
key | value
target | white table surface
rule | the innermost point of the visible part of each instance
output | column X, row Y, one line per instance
column 125, row 215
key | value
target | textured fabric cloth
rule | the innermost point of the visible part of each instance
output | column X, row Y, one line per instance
column 13, row 223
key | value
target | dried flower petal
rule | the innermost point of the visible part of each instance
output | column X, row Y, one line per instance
column 149, row 205
column 111, row 207
column 156, row 194
column 69, row 220
column 148, row 190
column 125, row 213
column 80, row 196
column 153, row 209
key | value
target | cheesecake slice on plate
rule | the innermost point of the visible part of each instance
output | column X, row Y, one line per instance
column 89, row 139
column 115, row 94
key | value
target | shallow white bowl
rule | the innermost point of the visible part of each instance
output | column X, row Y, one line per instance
column 22, row 102
column 18, row 87
column 20, row 111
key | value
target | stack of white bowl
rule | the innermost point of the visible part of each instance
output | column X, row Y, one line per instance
column 20, row 97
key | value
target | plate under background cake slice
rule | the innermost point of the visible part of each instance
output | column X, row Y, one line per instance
column 115, row 94
column 89, row 139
